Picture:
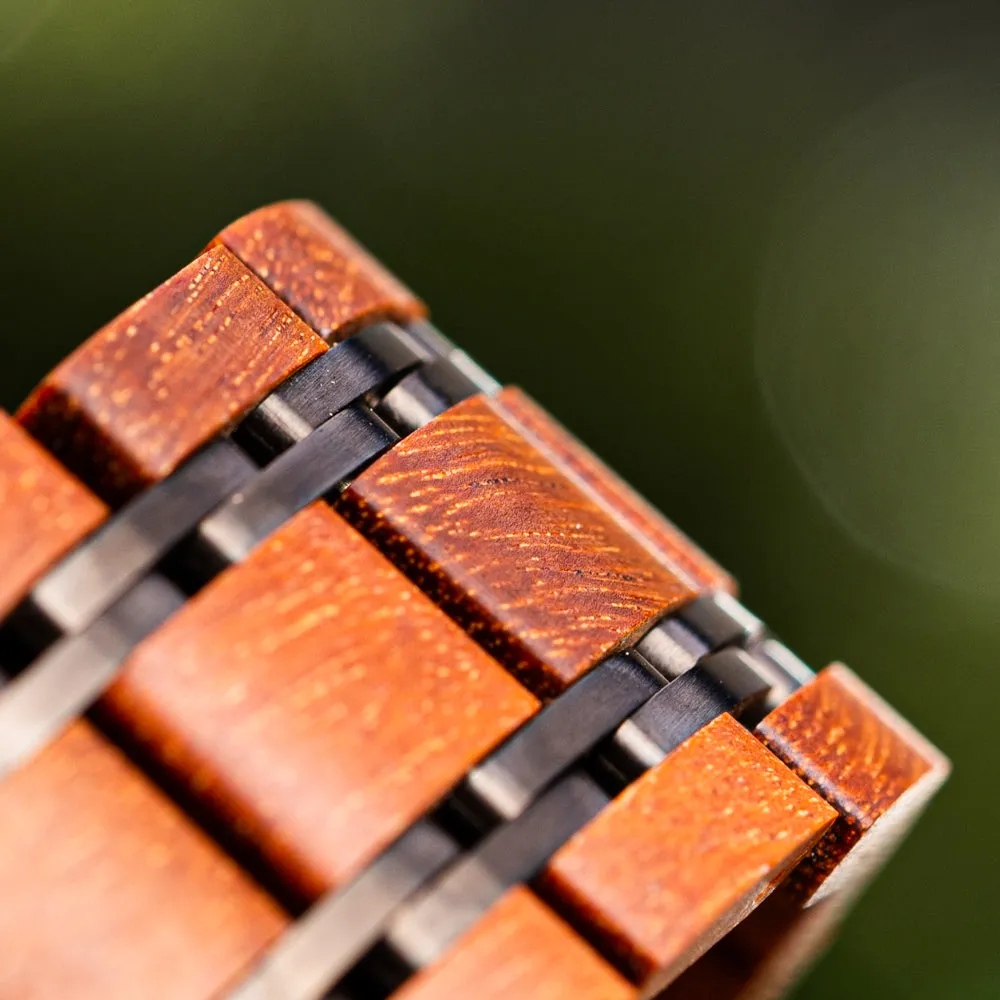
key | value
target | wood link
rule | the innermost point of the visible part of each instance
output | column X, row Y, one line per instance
column 540, row 575
column 45, row 512
column 519, row 949
column 319, row 270
column 640, row 518
column 141, row 395
column 315, row 701
column 108, row 891
column 686, row 852
column 879, row 774
column 873, row 767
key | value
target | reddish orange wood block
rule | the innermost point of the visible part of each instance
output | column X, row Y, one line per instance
column 871, row 765
column 519, row 949
column 328, row 279
column 45, row 512
column 686, row 852
column 514, row 549
column 156, row 383
column 878, row 773
column 639, row 517
column 316, row 700
column 108, row 893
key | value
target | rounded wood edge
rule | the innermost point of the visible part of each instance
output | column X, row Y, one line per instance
column 314, row 702
column 871, row 765
column 162, row 378
column 537, row 572
column 518, row 949
column 686, row 852
column 45, row 512
column 109, row 891
column 636, row 514
column 318, row 269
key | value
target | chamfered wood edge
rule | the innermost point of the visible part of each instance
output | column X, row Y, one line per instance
column 173, row 370
column 319, row 269
column 636, row 514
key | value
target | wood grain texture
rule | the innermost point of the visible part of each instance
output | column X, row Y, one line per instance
column 108, row 893
column 867, row 762
column 334, row 284
column 45, row 512
column 173, row 370
column 686, row 852
column 539, row 574
column 879, row 774
column 315, row 700
column 518, row 950
column 639, row 517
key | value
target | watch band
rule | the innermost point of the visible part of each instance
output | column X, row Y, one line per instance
column 336, row 669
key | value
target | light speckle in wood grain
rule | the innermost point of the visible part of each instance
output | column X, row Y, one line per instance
column 359, row 702
column 124, row 411
column 686, row 851
column 543, row 577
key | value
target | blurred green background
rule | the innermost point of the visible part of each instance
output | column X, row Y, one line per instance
column 750, row 253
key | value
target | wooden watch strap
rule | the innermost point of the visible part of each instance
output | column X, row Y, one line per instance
column 334, row 679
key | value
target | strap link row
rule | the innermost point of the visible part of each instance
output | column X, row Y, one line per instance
column 64, row 644
column 501, row 823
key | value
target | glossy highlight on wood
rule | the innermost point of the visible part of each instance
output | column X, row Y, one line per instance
column 127, row 407
column 518, row 950
column 315, row 701
column 667, row 542
column 539, row 574
column 45, row 512
column 332, row 282
column 686, row 852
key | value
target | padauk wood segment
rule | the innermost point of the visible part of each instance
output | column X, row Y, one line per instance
column 334, row 284
column 315, row 700
column 519, row 949
column 686, row 852
column 865, row 760
column 109, row 893
column 45, row 512
column 104, row 883
column 514, row 549
column 879, row 774
column 156, row 383
column 667, row 542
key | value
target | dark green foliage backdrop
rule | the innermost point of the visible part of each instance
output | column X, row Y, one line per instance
column 750, row 253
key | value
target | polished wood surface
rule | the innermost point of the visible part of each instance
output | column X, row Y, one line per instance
column 518, row 950
column 865, row 760
column 686, row 852
column 536, row 571
column 879, row 774
column 315, row 700
column 319, row 270
column 45, row 512
column 109, row 893
column 169, row 373
column 670, row 545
